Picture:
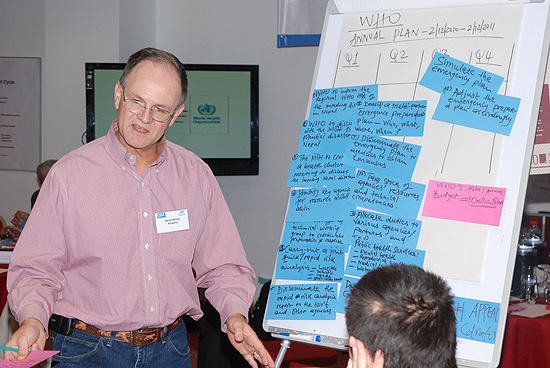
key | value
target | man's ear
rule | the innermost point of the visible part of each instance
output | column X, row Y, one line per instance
column 118, row 94
column 179, row 110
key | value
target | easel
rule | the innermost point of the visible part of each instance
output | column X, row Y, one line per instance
column 285, row 344
column 337, row 345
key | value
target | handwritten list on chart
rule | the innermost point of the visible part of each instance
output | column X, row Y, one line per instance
column 362, row 181
column 346, row 168
column 461, row 63
column 342, row 169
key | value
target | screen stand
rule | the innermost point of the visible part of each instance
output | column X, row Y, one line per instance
column 285, row 344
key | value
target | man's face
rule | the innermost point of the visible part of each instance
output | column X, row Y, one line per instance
column 154, row 84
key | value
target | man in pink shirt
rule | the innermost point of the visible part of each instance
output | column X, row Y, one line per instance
column 124, row 231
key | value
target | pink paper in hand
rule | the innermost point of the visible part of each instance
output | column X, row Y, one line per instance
column 32, row 359
column 464, row 202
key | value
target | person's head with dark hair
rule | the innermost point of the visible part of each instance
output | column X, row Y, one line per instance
column 43, row 169
column 406, row 313
column 160, row 56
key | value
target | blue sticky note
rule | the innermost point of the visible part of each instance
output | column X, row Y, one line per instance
column 382, row 155
column 365, row 256
column 476, row 320
column 343, row 295
column 445, row 73
column 325, row 136
column 490, row 112
column 316, row 204
column 386, row 194
column 302, row 301
column 315, row 169
column 341, row 103
column 317, row 232
column 323, row 262
column 392, row 118
column 380, row 228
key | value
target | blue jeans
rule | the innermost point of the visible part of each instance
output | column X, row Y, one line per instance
column 84, row 350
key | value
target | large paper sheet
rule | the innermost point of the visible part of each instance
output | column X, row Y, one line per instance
column 393, row 50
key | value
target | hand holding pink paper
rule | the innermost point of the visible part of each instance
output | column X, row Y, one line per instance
column 34, row 358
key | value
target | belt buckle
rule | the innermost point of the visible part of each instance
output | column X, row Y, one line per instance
column 132, row 338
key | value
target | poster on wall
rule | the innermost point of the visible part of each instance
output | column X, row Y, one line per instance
column 540, row 162
column 19, row 113
column 300, row 22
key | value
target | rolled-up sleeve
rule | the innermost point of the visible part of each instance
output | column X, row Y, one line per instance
column 220, row 261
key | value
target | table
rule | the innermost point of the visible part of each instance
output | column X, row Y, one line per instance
column 526, row 342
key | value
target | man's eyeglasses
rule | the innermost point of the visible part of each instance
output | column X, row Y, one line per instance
column 136, row 107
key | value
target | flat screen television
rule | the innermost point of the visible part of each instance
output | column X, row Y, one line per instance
column 220, row 120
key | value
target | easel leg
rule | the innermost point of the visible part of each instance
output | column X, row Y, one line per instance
column 285, row 344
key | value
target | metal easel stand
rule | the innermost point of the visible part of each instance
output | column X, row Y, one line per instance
column 285, row 344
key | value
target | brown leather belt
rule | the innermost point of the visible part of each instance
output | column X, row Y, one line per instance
column 144, row 336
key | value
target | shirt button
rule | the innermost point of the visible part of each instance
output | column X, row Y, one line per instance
column 142, row 184
column 145, row 214
column 149, row 277
column 146, row 245
column 152, row 309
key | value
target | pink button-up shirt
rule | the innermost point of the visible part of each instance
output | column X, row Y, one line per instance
column 90, row 249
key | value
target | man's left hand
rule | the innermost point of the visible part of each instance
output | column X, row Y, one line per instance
column 245, row 340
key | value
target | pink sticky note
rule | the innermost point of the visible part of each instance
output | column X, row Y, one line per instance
column 464, row 202
column 32, row 359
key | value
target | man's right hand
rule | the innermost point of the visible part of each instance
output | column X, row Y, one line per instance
column 360, row 356
column 31, row 335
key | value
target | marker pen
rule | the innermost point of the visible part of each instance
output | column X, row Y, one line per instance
column 303, row 337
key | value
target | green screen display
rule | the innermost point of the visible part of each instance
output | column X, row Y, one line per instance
column 220, row 120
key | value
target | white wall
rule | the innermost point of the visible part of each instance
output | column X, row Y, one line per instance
column 76, row 32
column 67, row 33
column 137, row 26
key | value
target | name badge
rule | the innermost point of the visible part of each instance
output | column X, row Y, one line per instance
column 172, row 221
